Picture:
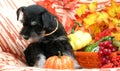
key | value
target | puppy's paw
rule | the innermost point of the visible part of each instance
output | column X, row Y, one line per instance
column 40, row 61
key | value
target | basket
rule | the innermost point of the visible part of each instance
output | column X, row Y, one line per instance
column 89, row 59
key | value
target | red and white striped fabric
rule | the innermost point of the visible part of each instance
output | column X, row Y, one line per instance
column 9, row 27
column 12, row 47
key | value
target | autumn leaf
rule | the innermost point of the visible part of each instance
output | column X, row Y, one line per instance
column 114, row 9
column 94, row 29
column 118, row 11
column 102, row 17
column 116, row 36
column 112, row 12
column 111, row 25
column 81, row 10
column 115, row 21
column 90, row 19
column 113, row 3
column 48, row 5
column 118, row 15
column 93, row 6
column 106, row 32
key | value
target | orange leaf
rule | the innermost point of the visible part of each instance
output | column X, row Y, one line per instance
column 94, row 29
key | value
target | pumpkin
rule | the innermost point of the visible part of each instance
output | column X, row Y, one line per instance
column 59, row 62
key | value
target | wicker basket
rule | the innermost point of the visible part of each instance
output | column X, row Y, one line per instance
column 89, row 59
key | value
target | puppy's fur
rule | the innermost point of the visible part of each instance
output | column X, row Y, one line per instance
column 37, row 22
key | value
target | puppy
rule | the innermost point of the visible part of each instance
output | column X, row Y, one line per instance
column 46, row 33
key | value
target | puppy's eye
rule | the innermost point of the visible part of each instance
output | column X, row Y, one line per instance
column 33, row 23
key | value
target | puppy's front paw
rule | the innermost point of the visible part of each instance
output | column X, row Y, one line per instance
column 76, row 65
column 40, row 61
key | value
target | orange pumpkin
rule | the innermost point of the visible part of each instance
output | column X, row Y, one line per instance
column 59, row 62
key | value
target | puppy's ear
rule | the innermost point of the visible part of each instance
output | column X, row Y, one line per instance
column 47, row 18
column 21, row 9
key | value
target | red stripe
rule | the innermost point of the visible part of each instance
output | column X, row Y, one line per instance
column 3, row 46
column 8, row 27
column 10, row 24
column 15, row 31
column 97, row 3
column 11, row 37
column 13, row 4
column 10, row 4
column 0, row 4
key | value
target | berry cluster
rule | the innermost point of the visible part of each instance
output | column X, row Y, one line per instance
column 115, row 62
column 105, row 49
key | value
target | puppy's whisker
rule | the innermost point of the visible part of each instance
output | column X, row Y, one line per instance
column 53, row 30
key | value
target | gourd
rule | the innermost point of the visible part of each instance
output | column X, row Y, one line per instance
column 79, row 39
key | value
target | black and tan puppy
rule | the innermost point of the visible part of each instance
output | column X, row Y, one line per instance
column 47, row 34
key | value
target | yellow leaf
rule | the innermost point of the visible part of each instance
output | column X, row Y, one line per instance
column 118, row 9
column 81, row 10
column 93, row 6
column 90, row 19
column 113, row 9
column 116, row 36
column 115, row 21
column 112, row 12
column 113, row 3
column 103, row 16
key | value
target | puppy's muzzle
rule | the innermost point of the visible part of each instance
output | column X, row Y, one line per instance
column 25, row 37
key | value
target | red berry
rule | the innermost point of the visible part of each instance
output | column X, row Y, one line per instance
column 109, row 52
column 105, row 49
column 101, row 48
column 104, row 60
column 109, row 46
column 109, row 65
column 114, row 49
column 101, row 44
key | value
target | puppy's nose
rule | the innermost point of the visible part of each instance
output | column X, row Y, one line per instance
column 25, row 37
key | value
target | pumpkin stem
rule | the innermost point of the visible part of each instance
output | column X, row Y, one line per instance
column 59, row 54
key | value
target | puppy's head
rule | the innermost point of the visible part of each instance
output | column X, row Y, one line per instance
column 36, row 21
